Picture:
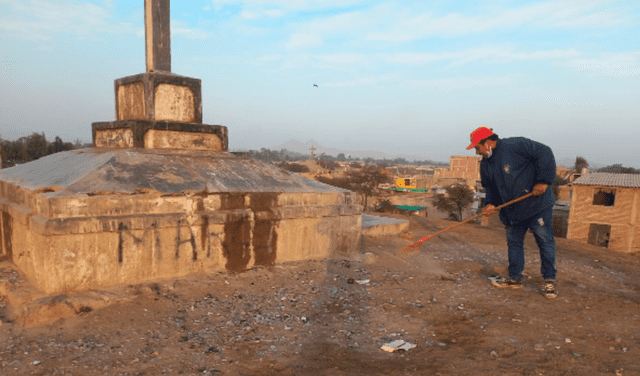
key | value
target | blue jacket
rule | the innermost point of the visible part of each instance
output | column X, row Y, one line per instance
column 516, row 165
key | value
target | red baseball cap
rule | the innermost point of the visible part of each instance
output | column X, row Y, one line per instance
column 478, row 135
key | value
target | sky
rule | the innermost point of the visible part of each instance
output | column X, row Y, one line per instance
column 399, row 77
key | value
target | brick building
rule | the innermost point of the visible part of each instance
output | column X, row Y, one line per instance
column 460, row 168
column 605, row 211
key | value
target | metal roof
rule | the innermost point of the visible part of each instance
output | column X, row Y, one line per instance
column 608, row 179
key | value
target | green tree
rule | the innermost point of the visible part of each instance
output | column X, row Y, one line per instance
column 58, row 145
column 619, row 169
column 13, row 153
column 458, row 198
column 363, row 180
column 580, row 164
column 37, row 146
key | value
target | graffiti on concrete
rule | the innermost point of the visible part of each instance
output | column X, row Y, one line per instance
column 239, row 241
column 124, row 231
column 191, row 240
column 209, row 241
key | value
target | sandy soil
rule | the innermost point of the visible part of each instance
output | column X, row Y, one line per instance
column 331, row 317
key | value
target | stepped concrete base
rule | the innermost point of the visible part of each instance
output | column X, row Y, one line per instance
column 92, row 218
column 28, row 306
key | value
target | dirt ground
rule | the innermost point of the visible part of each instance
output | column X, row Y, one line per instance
column 331, row 317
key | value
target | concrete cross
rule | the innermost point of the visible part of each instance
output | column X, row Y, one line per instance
column 157, row 35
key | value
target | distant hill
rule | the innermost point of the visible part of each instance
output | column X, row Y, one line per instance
column 303, row 148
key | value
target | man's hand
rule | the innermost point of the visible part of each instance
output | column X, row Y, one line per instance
column 488, row 210
column 539, row 189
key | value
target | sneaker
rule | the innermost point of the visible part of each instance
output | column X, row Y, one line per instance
column 549, row 289
column 505, row 282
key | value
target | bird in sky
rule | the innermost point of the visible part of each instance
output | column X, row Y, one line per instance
column 315, row 85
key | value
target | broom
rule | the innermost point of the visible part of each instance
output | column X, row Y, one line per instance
column 497, row 208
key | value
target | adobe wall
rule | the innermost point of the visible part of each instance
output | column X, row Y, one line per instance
column 622, row 216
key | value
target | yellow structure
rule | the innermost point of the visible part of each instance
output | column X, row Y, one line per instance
column 406, row 183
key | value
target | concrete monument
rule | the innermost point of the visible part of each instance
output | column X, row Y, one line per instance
column 160, row 196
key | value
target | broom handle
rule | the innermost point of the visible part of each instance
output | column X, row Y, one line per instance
column 472, row 218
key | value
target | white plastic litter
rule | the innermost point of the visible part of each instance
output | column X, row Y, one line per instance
column 397, row 345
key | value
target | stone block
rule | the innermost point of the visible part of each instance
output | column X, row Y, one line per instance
column 163, row 139
column 130, row 101
column 160, row 135
column 119, row 138
column 161, row 96
column 174, row 103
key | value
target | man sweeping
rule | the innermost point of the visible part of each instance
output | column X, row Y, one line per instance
column 511, row 168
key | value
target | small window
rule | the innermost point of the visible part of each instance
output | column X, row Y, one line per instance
column 599, row 235
column 407, row 182
column 605, row 197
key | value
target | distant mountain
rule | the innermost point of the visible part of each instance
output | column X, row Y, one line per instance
column 303, row 148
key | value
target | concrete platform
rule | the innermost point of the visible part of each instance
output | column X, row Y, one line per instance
column 91, row 218
column 373, row 225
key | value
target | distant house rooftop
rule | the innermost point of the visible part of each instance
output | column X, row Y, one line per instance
column 607, row 179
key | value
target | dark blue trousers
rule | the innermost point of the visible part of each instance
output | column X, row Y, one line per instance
column 542, row 226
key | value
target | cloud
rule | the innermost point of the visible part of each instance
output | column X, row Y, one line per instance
column 624, row 64
column 273, row 13
column 362, row 81
column 343, row 58
column 341, row 26
column 255, row 14
column 491, row 54
column 502, row 56
column 532, row 97
column 304, row 40
column 463, row 83
column 418, row 58
column 249, row 15
column 178, row 28
column 407, row 26
column 301, row 5
column 270, row 58
column 391, row 22
column 44, row 20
